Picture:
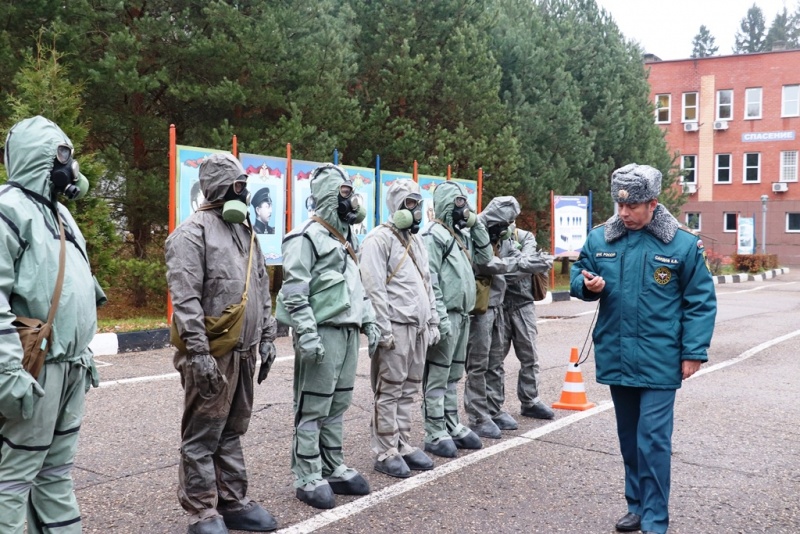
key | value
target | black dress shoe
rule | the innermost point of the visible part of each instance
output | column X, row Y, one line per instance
column 630, row 522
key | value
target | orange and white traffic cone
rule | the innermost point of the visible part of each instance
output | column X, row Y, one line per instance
column 573, row 394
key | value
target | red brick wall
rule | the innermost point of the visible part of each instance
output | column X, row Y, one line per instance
column 770, row 71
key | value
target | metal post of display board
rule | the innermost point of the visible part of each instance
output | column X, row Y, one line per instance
column 552, row 236
column 378, row 206
column 480, row 189
column 764, row 199
column 589, row 218
column 288, row 187
column 416, row 171
column 235, row 144
column 448, row 172
column 173, row 201
column 335, row 156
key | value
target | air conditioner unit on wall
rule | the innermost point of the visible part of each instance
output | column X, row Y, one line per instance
column 689, row 188
column 780, row 187
column 690, row 127
column 720, row 125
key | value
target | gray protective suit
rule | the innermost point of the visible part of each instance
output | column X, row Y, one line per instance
column 520, row 322
column 39, row 420
column 326, row 352
column 207, row 262
column 484, row 382
column 405, row 310
column 454, row 287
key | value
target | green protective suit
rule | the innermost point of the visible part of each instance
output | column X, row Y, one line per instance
column 520, row 323
column 484, row 382
column 207, row 261
column 396, row 274
column 39, row 421
column 454, row 286
column 323, row 383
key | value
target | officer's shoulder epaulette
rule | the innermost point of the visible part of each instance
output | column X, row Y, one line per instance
column 598, row 225
column 687, row 229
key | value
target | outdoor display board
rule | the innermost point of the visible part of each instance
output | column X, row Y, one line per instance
column 187, row 179
column 266, row 181
column 570, row 221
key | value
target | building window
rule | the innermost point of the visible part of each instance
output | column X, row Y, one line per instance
column 752, row 168
column 789, row 166
column 693, row 221
column 662, row 108
column 689, row 168
column 723, row 168
column 689, row 107
column 793, row 222
column 752, row 103
column 729, row 221
column 791, row 101
column 724, row 105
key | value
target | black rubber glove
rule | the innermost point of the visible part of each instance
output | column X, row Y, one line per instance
column 206, row 375
column 268, row 353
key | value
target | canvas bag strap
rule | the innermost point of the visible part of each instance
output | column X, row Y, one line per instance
column 458, row 240
column 405, row 253
column 338, row 235
column 249, row 264
column 62, row 258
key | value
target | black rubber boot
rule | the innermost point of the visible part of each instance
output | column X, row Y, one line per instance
column 442, row 447
column 418, row 461
column 354, row 485
column 505, row 422
column 317, row 494
column 468, row 441
column 253, row 518
column 394, row 466
column 212, row 525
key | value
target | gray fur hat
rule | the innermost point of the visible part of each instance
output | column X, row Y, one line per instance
column 633, row 184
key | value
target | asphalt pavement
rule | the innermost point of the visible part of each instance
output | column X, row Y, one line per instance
column 736, row 444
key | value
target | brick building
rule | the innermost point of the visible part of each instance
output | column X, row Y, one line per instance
column 734, row 120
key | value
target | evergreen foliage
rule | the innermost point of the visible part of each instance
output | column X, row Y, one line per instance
column 543, row 95
column 703, row 44
column 750, row 38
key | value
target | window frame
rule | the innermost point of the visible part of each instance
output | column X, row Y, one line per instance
column 696, row 107
column 687, row 217
column 693, row 168
column 725, row 217
column 720, row 105
column 747, row 103
column 796, row 101
column 667, row 108
column 784, row 166
column 791, row 230
column 717, row 168
column 745, row 168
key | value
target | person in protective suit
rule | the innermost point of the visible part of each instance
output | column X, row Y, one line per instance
column 40, row 416
column 323, row 300
column 397, row 280
column 455, row 240
column 520, row 329
column 484, row 388
column 208, row 261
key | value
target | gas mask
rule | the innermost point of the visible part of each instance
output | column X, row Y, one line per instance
column 236, row 198
column 350, row 208
column 409, row 216
column 66, row 176
column 462, row 215
column 498, row 232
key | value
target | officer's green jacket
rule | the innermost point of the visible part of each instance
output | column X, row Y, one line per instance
column 310, row 250
column 451, row 270
column 658, row 305
column 29, row 252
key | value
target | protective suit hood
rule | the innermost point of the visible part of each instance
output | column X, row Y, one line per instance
column 325, row 183
column 501, row 210
column 444, row 197
column 30, row 151
column 217, row 174
column 399, row 191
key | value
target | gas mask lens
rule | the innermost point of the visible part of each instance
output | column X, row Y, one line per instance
column 460, row 202
column 345, row 190
column 411, row 203
column 63, row 154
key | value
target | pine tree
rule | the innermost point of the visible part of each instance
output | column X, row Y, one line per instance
column 780, row 32
column 703, row 44
column 750, row 37
column 42, row 87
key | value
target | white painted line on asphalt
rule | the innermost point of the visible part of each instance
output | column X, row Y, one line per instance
column 168, row 376
column 341, row 512
column 745, row 355
column 100, row 363
column 744, row 290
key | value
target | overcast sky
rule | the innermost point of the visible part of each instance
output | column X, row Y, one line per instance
column 666, row 27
